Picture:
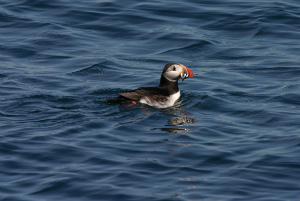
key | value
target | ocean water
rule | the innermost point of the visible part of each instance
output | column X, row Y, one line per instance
column 234, row 136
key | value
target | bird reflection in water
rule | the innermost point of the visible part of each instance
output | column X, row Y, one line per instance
column 178, row 121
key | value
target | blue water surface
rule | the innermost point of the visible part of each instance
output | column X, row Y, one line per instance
column 234, row 136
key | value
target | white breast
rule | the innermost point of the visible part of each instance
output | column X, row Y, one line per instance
column 170, row 102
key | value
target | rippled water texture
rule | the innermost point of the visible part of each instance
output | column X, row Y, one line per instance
column 235, row 135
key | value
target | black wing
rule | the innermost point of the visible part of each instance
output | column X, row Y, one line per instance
column 152, row 94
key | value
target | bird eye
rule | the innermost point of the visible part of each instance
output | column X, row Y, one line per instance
column 174, row 69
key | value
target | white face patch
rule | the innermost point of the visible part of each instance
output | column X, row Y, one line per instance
column 173, row 72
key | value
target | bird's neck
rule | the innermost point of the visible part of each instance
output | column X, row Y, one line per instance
column 171, row 86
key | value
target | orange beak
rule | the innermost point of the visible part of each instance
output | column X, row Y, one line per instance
column 187, row 72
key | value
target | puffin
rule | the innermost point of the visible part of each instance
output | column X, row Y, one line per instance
column 164, row 95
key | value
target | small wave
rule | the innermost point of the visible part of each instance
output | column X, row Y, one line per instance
column 288, row 98
column 204, row 101
column 94, row 70
column 289, row 88
column 194, row 50
column 259, row 33
column 190, row 49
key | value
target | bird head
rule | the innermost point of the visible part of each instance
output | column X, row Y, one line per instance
column 175, row 71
